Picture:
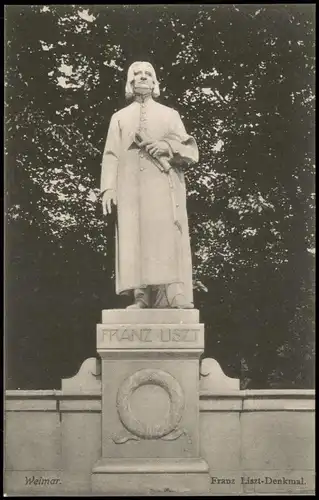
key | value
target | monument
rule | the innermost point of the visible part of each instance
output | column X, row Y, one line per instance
column 149, row 351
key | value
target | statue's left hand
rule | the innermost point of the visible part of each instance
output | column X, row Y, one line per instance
column 156, row 148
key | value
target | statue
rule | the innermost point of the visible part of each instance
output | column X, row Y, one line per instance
column 146, row 151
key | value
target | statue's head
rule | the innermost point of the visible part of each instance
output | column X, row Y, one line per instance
column 141, row 80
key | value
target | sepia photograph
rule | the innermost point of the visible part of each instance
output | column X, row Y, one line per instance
column 159, row 249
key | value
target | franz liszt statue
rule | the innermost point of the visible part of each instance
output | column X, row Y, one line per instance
column 146, row 152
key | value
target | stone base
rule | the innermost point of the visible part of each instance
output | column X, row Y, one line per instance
column 150, row 477
column 144, row 316
column 150, row 404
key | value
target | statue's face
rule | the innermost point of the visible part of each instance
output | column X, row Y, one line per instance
column 143, row 80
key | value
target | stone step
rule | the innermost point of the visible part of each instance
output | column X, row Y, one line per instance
column 150, row 316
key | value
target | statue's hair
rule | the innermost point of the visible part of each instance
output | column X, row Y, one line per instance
column 130, row 77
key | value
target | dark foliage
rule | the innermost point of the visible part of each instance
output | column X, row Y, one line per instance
column 242, row 77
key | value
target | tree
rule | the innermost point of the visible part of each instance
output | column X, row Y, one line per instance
column 242, row 77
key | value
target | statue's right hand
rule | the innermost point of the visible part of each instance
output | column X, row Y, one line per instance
column 109, row 197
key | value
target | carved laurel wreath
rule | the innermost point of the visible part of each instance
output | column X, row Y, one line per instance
column 150, row 376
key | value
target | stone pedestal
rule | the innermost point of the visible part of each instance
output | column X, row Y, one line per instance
column 150, row 403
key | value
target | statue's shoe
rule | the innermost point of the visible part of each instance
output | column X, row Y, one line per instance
column 139, row 304
column 180, row 303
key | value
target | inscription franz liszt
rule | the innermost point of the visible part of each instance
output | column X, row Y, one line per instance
column 146, row 152
column 150, row 334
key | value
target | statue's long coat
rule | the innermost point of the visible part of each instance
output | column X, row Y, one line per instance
column 150, row 249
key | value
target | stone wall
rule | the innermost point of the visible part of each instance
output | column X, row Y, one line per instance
column 253, row 441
